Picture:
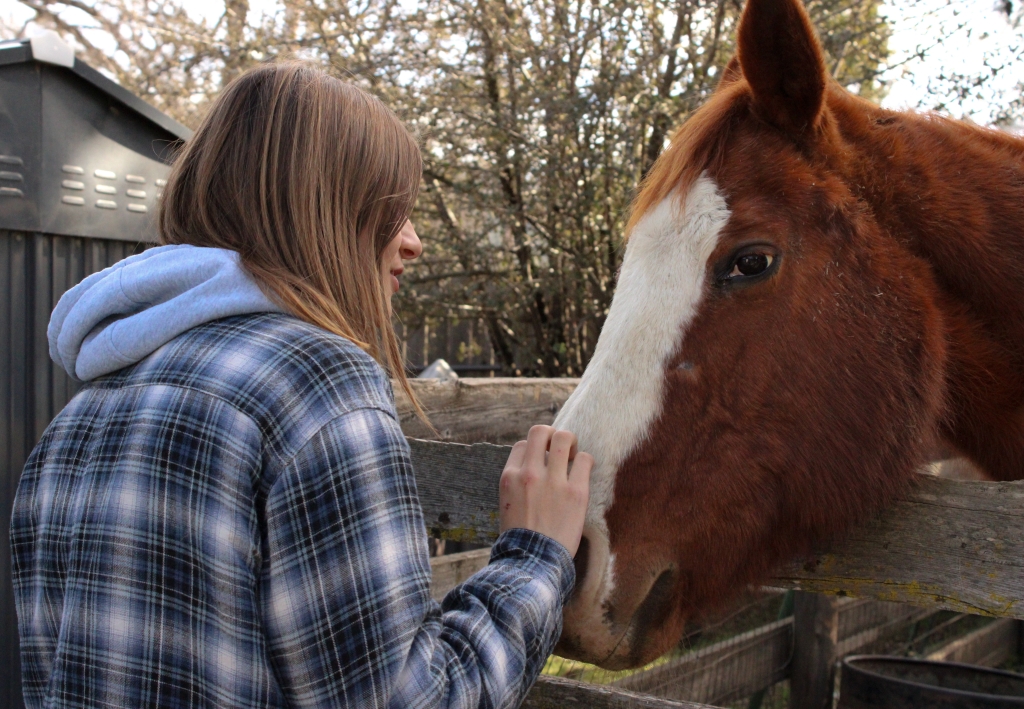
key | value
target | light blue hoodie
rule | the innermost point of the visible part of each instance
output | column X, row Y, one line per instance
column 121, row 315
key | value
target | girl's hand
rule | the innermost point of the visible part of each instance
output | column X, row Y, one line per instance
column 541, row 491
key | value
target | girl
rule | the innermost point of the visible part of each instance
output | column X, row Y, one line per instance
column 226, row 515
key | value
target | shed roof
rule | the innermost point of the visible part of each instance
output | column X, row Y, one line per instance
column 79, row 155
column 18, row 51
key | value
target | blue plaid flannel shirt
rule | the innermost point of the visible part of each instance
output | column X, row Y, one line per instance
column 233, row 522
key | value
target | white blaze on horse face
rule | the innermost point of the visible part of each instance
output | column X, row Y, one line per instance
column 657, row 296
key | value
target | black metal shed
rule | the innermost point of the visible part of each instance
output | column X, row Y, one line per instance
column 82, row 162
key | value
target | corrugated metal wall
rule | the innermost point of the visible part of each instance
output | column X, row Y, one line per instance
column 35, row 270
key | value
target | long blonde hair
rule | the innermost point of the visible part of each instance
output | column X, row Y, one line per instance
column 308, row 178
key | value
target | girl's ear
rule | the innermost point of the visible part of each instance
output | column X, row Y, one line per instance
column 782, row 61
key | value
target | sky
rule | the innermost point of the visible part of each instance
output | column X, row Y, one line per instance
column 988, row 32
column 915, row 23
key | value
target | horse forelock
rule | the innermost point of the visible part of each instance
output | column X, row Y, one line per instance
column 696, row 147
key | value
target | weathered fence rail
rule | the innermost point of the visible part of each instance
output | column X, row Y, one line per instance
column 989, row 646
column 560, row 693
column 949, row 544
column 497, row 410
column 450, row 570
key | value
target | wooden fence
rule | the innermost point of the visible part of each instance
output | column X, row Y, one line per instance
column 757, row 659
column 946, row 545
column 738, row 667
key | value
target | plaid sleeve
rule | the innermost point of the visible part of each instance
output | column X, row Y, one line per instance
column 345, row 586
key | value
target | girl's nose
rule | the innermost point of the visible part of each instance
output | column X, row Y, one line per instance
column 411, row 247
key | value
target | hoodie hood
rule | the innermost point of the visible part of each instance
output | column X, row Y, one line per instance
column 121, row 315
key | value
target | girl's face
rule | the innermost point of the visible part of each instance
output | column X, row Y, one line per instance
column 404, row 247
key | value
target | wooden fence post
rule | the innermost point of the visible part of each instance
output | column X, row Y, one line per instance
column 815, row 651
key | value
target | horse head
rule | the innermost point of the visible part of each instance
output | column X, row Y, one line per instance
column 771, row 367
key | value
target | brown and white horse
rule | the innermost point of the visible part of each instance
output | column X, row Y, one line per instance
column 815, row 293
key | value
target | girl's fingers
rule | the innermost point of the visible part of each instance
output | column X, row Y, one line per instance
column 562, row 445
column 582, row 465
column 517, row 456
column 537, row 442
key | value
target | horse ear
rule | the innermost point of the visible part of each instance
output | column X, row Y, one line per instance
column 783, row 63
column 732, row 72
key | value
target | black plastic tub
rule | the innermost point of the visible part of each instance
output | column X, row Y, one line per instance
column 881, row 682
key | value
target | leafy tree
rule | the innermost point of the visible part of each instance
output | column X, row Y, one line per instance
column 543, row 116
column 966, row 56
column 537, row 119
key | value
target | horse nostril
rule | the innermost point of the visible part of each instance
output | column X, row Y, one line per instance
column 657, row 606
column 580, row 561
column 653, row 612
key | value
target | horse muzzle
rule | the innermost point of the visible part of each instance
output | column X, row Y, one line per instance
column 612, row 624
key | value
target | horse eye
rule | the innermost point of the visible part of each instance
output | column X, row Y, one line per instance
column 750, row 265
